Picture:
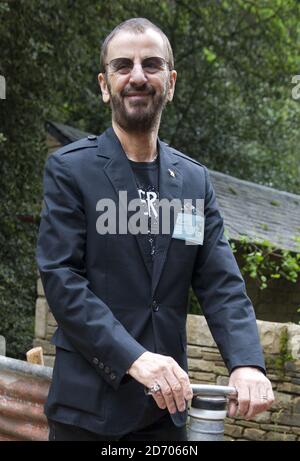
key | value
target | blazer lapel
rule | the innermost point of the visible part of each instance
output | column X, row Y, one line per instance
column 121, row 176
column 170, row 187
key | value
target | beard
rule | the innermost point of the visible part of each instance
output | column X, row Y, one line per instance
column 145, row 114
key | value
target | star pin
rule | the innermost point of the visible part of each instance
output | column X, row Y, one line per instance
column 171, row 173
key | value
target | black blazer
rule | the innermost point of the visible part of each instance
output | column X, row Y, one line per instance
column 108, row 306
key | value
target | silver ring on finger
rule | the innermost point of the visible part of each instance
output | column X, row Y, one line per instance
column 153, row 389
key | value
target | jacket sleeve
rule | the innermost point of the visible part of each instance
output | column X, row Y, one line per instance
column 220, row 289
column 85, row 320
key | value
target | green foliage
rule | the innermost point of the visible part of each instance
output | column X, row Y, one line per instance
column 232, row 109
column 284, row 356
column 17, row 285
column 264, row 262
column 193, row 304
column 22, row 154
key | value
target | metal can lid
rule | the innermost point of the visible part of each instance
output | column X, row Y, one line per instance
column 209, row 403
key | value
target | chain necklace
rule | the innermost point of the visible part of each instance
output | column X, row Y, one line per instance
column 137, row 160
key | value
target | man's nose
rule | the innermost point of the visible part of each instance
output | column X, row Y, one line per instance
column 137, row 75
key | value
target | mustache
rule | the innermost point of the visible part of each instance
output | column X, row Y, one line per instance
column 147, row 89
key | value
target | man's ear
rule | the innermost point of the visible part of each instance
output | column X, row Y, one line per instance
column 172, row 81
column 104, row 88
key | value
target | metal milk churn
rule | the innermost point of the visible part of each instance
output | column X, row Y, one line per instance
column 207, row 412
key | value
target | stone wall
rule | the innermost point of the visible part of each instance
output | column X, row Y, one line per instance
column 45, row 326
column 280, row 342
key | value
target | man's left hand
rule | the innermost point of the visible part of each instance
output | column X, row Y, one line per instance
column 255, row 393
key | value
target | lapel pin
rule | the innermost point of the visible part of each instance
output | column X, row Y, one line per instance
column 171, row 173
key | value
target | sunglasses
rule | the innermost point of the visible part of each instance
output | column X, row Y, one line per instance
column 124, row 66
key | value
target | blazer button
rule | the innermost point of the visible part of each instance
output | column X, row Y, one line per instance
column 101, row 365
column 107, row 370
column 155, row 306
column 112, row 376
column 95, row 361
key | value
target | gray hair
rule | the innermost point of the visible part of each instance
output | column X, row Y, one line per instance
column 137, row 26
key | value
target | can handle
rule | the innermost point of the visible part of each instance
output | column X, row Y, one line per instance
column 213, row 390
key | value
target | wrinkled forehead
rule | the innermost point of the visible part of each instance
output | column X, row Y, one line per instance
column 132, row 45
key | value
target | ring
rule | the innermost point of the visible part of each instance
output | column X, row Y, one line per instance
column 264, row 397
column 153, row 389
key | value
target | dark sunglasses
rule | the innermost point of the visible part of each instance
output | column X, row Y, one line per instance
column 151, row 65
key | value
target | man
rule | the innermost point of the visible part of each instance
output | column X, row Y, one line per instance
column 120, row 298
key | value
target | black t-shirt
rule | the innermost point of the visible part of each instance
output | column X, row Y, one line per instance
column 147, row 181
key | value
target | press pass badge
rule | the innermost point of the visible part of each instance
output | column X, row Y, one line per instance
column 189, row 225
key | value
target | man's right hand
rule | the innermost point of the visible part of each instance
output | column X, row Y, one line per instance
column 150, row 369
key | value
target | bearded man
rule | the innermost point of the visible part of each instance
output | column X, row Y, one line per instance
column 119, row 293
